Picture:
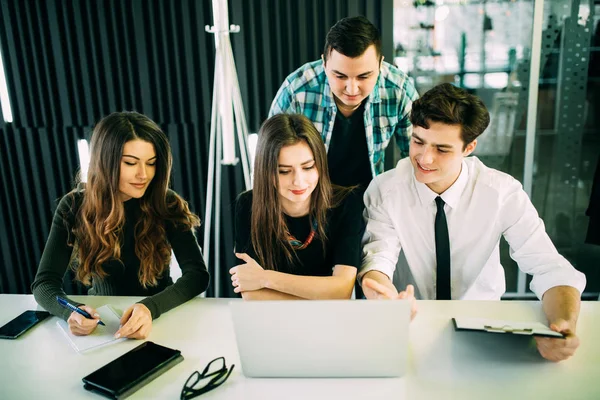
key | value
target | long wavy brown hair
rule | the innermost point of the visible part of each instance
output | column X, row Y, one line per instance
column 268, row 225
column 99, row 222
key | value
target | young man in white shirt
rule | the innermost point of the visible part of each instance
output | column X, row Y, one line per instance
column 440, row 215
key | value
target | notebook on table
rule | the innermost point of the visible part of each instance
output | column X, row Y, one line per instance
column 101, row 336
column 328, row 339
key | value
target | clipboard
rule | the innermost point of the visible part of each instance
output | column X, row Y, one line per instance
column 503, row 326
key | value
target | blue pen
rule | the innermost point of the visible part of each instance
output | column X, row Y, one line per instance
column 66, row 304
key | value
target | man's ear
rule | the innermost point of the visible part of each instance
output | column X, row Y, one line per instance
column 323, row 58
column 470, row 148
column 381, row 61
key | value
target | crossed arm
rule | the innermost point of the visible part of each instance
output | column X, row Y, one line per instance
column 256, row 283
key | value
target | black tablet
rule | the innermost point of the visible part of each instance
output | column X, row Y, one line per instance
column 22, row 324
column 134, row 369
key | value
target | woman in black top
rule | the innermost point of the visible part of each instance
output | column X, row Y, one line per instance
column 299, row 236
column 117, row 234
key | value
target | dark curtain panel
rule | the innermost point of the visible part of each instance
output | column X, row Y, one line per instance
column 69, row 63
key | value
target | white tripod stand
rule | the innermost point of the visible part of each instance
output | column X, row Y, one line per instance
column 227, row 115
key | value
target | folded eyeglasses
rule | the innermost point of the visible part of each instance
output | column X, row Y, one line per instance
column 196, row 384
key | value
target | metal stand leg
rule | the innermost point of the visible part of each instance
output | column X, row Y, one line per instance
column 227, row 114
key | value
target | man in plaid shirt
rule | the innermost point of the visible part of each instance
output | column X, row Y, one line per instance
column 355, row 99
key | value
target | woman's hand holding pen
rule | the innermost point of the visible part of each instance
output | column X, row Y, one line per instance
column 136, row 322
column 82, row 326
column 247, row 277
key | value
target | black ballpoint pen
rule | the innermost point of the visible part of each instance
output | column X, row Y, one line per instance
column 66, row 304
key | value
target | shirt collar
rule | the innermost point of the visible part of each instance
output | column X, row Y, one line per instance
column 328, row 100
column 451, row 196
column 374, row 97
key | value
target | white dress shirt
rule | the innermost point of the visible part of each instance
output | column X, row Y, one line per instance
column 481, row 206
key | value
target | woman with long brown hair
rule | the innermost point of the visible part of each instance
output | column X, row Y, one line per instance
column 117, row 231
column 298, row 235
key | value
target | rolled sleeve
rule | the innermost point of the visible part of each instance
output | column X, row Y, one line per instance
column 532, row 249
column 565, row 275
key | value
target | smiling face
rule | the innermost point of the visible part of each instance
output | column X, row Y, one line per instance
column 352, row 79
column 138, row 166
column 437, row 153
column 298, row 177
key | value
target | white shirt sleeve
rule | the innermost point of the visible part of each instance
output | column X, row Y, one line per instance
column 531, row 247
column 381, row 245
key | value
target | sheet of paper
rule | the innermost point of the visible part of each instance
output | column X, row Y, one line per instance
column 101, row 336
column 497, row 325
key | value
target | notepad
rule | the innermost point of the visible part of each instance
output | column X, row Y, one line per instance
column 101, row 336
column 503, row 326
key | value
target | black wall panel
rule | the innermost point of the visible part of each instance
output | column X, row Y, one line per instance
column 68, row 64
column 279, row 36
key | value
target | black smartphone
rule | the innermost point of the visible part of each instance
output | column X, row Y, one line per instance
column 126, row 374
column 22, row 324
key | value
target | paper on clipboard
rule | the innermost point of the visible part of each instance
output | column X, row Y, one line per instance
column 504, row 326
column 101, row 336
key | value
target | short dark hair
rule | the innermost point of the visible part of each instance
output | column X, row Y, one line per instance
column 351, row 37
column 450, row 105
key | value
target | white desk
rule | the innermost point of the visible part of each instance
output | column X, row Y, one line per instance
column 442, row 364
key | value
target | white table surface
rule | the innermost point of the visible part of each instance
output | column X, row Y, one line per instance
column 442, row 363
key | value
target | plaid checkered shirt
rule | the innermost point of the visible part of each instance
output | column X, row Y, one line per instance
column 387, row 109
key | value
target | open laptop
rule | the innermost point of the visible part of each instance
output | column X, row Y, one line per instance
column 326, row 339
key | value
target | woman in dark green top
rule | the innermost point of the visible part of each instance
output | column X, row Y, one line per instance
column 118, row 232
column 298, row 235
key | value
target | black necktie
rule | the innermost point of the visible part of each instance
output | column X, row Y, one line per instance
column 442, row 252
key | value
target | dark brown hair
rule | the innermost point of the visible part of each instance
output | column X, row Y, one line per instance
column 351, row 37
column 100, row 219
column 450, row 105
column 268, row 226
